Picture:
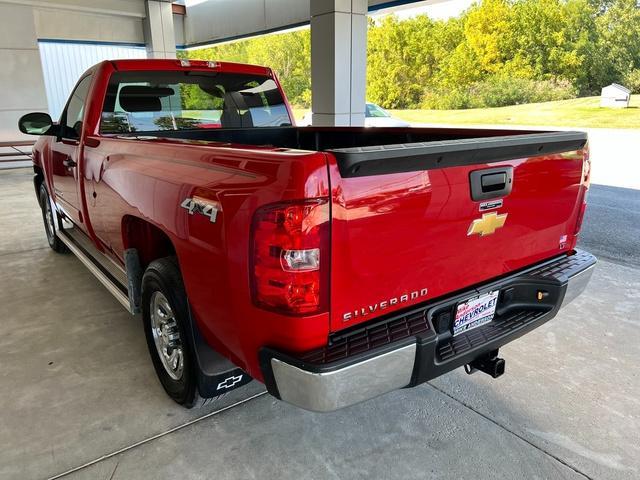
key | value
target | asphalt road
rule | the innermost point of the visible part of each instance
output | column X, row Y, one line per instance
column 611, row 228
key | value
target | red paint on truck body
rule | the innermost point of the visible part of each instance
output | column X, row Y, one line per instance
column 390, row 235
column 397, row 235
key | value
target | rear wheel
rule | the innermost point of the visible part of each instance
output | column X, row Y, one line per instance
column 49, row 217
column 165, row 314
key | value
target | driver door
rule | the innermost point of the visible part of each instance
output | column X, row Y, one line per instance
column 66, row 151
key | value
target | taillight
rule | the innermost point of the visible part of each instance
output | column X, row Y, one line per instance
column 586, row 166
column 583, row 209
column 585, row 181
column 290, row 254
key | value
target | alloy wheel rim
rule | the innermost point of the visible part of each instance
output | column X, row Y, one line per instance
column 166, row 336
column 48, row 218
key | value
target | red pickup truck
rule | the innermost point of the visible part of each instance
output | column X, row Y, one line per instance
column 333, row 264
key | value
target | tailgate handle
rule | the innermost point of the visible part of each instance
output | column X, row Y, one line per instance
column 491, row 183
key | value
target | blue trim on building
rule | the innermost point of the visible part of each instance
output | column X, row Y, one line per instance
column 395, row 3
column 92, row 42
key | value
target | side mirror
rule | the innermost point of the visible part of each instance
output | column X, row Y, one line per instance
column 36, row 123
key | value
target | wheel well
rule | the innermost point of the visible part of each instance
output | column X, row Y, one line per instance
column 38, row 178
column 150, row 242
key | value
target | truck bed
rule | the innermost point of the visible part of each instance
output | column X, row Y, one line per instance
column 375, row 151
column 404, row 202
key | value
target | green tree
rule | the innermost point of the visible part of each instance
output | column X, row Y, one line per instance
column 619, row 40
column 288, row 54
column 391, row 71
column 227, row 52
column 487, row 29
column 498, row 52
column 555, row 39
column 405, row 57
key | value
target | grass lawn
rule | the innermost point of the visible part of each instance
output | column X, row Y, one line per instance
column 579, row 112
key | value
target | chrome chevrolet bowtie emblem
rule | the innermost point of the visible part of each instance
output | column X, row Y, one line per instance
column 488, row 224
column 229, row 382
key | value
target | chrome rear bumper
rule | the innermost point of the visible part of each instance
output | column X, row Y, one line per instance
column 577, row 284
column 324, row 386
column 325, row 392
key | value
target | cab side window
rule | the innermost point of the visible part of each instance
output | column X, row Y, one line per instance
column 71, row 121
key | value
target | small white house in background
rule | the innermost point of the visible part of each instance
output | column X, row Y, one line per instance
column 615, row 96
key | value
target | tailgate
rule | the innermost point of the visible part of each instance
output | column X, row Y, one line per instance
column 418, row 221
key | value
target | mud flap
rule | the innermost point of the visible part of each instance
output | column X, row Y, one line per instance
column 216, row 374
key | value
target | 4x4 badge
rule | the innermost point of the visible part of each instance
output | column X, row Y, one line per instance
column 208, row 208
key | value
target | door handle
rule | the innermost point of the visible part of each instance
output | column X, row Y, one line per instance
column 69, row 163
column 103, row 167
column 491, row 183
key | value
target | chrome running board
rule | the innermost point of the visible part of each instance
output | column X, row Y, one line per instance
column 111, row 275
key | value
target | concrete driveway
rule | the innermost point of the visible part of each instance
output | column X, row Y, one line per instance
column 78, row 394
column 615, row 154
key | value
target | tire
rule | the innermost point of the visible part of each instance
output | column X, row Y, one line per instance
column 48, row 217
column 165, row 313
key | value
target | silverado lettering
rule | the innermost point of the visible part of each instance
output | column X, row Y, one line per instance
column 384, row 304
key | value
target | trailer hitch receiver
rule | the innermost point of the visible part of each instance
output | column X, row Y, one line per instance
column 490, row 364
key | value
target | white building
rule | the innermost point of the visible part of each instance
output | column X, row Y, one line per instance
column 615, row 96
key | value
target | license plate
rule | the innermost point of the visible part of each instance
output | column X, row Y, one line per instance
column 475, row 312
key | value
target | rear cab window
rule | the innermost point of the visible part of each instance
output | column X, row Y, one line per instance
column 185, row 100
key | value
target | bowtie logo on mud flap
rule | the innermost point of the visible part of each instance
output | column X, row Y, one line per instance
column 229, row 382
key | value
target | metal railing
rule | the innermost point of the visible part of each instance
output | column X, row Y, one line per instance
column 13, row 154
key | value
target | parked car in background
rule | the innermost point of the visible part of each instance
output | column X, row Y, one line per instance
column 374, row 116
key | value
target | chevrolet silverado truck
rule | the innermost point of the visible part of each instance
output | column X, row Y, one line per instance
column 333, row 264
